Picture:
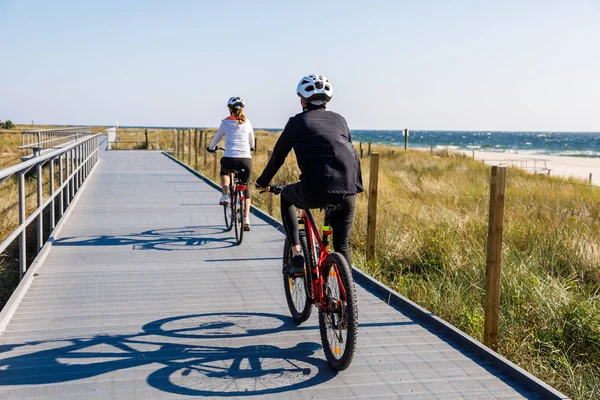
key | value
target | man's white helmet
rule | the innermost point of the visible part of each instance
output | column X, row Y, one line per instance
column 315, row 89
column 236, row 103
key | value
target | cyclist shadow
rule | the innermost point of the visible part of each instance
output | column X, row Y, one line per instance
column 186, row 238
column 193, row 366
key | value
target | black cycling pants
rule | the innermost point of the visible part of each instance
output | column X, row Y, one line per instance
column 341, row 220
column 229, row 163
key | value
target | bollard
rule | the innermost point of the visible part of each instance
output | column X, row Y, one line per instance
column 372, row 207
column 494, row 257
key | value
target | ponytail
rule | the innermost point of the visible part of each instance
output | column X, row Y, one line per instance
column 239, row 114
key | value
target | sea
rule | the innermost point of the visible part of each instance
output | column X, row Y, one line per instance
column 574, row 144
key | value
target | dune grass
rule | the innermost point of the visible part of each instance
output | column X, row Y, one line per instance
column 431, row 241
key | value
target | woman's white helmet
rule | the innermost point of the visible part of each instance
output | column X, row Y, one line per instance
column 236, row 103
column 315, row 89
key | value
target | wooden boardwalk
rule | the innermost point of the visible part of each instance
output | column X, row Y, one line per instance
column 144, row 295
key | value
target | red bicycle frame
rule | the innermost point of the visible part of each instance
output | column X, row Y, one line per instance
column 239, row 187
column 314, row 239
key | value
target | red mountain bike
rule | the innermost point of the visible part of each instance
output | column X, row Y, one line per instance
column 327, row 284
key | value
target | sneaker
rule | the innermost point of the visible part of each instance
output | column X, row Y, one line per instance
column 224, row 200
column 246, row 224
column 297, row 266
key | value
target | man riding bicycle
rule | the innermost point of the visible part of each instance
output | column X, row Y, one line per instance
column 329, row 165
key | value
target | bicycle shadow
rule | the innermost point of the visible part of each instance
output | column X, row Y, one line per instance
column 188, row 367
column 186, row 238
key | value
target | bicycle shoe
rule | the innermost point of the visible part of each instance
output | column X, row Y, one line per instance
column 297, row 266
column 224, row 200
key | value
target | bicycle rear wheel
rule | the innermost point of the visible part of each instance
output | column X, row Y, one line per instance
column 228, row 217
column 238, row 217
column 339, row 323
column 298, row 289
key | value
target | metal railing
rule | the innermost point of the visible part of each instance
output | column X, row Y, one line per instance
column 75, row 160
column 36, row 141
column 143, row 137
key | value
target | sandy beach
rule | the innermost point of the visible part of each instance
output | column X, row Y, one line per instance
column 578, row 167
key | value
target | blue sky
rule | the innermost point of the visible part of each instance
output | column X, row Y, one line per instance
column 511, row 65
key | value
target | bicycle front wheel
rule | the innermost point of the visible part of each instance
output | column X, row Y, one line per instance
column 338, row 324
column 238, row 218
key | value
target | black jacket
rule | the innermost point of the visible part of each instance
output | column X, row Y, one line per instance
column 324, row 151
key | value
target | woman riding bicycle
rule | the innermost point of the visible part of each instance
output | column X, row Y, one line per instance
column 239, row 142
column 329, row 165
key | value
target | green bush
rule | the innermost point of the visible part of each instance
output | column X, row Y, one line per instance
column 7, row 125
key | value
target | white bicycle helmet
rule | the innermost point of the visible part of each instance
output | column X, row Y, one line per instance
column 315, row 89
column 236, row 102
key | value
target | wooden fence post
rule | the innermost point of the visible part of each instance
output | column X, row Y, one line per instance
column 494, row 257
column 270, row 198
column 256, row 145
column 590, row 178
column 361, row 149
column 204, row 146
column 178, row 143
column 190, row 147
column 406, row 139
column 146, row 134
column 174, row 141
column 369, row 150
column 372, row 207
column 136, row 139
column 215, row 166
column 196, row 149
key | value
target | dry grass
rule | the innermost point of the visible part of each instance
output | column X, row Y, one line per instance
column 431, row 239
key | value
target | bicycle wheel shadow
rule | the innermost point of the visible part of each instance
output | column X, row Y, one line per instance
column 183, row 351
column 185, row 238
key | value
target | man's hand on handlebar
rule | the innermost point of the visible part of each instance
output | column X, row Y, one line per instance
column 275, row 189
column 211, row 150
column 262, row 189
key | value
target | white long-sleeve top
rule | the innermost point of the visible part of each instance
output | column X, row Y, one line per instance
column 239, row 138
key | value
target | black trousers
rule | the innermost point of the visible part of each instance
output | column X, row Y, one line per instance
column 229, row 163
column 295, row 196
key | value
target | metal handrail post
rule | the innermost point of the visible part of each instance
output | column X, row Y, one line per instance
column 23, row 234
column 70, row 178
column 52, row 210
column 40, row 230
column 61, row 179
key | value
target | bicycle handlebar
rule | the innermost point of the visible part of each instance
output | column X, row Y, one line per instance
column 276, row 189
